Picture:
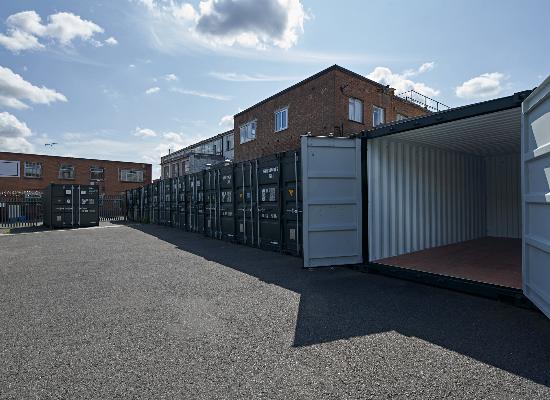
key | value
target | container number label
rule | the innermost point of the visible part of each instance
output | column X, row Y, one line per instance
column 293, row 234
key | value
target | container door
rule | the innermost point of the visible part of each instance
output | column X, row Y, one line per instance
column 227, row 205
column 535, row 146
column 331, row 174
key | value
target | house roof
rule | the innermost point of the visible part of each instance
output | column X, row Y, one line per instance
column 313, row 77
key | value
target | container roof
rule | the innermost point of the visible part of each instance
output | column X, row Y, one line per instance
column 482, row 129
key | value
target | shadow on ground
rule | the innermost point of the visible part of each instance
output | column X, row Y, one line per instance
column 339, row 303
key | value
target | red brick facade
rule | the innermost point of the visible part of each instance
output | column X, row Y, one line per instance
column 110, row 185
column 320, row 105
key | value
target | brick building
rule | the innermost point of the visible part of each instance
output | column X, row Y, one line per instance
column 33, row 172
column 195, row 158
column 335, row 101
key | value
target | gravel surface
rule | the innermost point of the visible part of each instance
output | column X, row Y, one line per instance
column 145, row 311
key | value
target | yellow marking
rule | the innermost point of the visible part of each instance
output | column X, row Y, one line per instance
column 241, row 195
column 291, row 192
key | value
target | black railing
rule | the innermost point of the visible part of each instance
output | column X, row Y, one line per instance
column 423, row 101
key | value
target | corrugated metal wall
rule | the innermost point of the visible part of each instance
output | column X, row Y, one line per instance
column 421, row 198
column 503, row 193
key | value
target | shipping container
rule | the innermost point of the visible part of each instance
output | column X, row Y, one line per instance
column 443, row 198
column 246, row 210
column 71, row 205
column 211, row 186
column 227, row 215
column 181, row 203
column 291, row 202
column 174, row 202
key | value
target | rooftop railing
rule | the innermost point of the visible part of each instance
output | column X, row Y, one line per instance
column 423, row 101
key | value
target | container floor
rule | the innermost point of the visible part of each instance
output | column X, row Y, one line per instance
column 489, row 259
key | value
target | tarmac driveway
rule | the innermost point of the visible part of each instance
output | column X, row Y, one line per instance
column 146, row 311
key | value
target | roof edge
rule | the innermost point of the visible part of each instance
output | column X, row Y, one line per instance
column 76, row 158
column 312, row 77
column 453, row 114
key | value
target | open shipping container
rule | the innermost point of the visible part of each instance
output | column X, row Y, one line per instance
column 444, row 198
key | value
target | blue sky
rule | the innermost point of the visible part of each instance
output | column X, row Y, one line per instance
column 129, row 79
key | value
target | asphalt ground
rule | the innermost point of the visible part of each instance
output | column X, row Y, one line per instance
column 145, row 311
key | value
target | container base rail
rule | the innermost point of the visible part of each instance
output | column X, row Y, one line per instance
column 497, row 292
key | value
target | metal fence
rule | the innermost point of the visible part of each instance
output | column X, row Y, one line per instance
column 18, row 209
column 112, row 208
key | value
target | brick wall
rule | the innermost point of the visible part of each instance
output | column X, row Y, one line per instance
column 111, row 185
column 319, row 106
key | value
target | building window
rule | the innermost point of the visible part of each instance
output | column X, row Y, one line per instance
column 377, row 116
column 355, row 110
column 175, row 170
column 218, row 149
column 400, row 117
column 281, row 119
column 67, row 171
column 185, row 166
column 167, row 172
column 248, row 132
column 131, row 175
column 33, row 170
column 96, row 174
column 230, row 142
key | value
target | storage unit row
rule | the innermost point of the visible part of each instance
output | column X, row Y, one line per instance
column 257, row 203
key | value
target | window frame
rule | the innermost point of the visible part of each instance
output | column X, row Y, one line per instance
column 376, row 111
column 230, row 139
column 131, row 171
column 355, row 102
column 402, row 117
column 34, row 164
column 249, row 137
column 67, row 167
column 175, row 169
column 102, row 173
column 281, row 112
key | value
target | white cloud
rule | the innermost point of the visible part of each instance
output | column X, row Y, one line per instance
column 171, row 77
column 234, row 77
column 201, row 94
column 19, row 40
column 95, row 43
column 401, row 83
column 227, row 121
column 26, row 27
column 112, row 41
column 183, row 11
column 426, row 67
column 250, row 23
column 73, row 136
column 483, row 86
column 13, row 133
column 145, row 133
column 171, row 136
column 132, row 66
column 149, row 3
column 13, row 87
column 152, row 90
